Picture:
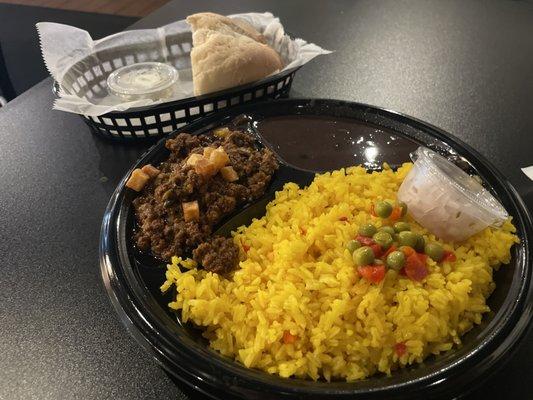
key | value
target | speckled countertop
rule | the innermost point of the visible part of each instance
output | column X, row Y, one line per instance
column 466, row 67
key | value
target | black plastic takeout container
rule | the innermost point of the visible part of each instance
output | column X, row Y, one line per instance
column 132, row 280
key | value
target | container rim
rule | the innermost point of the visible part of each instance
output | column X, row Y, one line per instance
column 169, row 77
column 443, row 169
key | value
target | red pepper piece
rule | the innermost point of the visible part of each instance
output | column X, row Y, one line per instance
column 407, row 250
column 449, row 256
column 376, row 248
column 415, row 267
column 400, row 349
column 372, row 273
column 423, row 257
column 365, row 241
column 396, row 214
column 289, row 338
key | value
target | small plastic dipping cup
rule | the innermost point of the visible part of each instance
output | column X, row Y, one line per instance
column 446, row 200
column 146, row 80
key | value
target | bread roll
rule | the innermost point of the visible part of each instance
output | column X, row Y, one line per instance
column 228, row 53
column 222, row 24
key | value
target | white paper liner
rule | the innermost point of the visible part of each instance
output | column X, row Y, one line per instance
column 62, row 46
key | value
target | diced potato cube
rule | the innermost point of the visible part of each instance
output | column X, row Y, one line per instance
column 191, row 211
column 137, row 180
column 221, row 132
column 150, row 170
column 219, row 158
column 208, row 151
column 193, row 159
column 229, row 174
column 205, row 167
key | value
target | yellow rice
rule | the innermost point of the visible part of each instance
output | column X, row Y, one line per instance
column 297, row 276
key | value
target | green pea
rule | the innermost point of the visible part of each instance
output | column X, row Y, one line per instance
column 353, row 245
column 363, row 256
column 389, row 229
column 384, row 239
column 169, row 195
column 383, row 209
column 367, row 230
column 401, row 227
column 420, row 243
column 407, row 238
column 396, row 260
column 403, row 207
column 434, row 251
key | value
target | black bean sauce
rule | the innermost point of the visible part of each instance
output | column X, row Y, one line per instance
column 323, row 143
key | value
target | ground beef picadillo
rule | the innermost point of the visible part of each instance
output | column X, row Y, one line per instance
column 161, row 227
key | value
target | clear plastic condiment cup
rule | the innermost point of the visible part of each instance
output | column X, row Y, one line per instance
column 146, row 80
column 447, row 201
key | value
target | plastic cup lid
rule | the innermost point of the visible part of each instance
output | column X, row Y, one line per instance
column 142, row 78
column 454, row 177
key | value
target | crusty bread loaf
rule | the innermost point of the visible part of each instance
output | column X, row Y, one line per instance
column 228, row 53
column 222, row 24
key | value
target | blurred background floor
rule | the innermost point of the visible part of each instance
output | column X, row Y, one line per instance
column 130, row 8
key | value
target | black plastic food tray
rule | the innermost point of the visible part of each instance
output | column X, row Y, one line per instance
column 133, row 281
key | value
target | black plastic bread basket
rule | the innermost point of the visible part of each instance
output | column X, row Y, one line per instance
column 88, row 77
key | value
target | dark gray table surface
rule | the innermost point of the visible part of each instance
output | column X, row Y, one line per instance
column 466, row 67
